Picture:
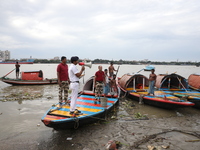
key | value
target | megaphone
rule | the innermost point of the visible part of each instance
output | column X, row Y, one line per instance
column 89, row 64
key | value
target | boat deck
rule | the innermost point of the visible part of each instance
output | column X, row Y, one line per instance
column 85, row 103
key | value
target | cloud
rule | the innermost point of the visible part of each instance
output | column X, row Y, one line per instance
column 134, row 30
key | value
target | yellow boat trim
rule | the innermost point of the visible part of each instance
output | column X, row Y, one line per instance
column 130, row 89
column 50, row 118
column 82, row 108
column 64, row 113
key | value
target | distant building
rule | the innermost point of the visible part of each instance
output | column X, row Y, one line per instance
column 4, row 55
column 56, row 58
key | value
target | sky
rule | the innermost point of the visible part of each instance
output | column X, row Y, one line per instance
column 158, row 30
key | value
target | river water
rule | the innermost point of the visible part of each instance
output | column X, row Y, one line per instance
column 21, row 126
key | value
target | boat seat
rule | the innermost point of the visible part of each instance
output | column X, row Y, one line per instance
column 138, row 90
column 141, row 90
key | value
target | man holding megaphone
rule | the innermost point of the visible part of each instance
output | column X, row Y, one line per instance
column 74, row 76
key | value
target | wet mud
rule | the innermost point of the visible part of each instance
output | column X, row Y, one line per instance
column 134, row 126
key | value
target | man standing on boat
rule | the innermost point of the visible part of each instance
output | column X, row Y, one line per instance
column 111, row 69
column 17, row 70
column 99, row 81
column 74, row 76
column 63, row 80
column 152, row 80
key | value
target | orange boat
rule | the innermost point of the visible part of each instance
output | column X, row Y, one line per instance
column 194, row 81
column 30, row 78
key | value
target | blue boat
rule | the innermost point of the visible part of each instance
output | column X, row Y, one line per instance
column 149, row 68
column 91, row 111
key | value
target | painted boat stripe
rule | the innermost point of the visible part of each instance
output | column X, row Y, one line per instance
column 86, row 106
column 91, row 104
column 89, row 101
column 63, row 113
column 82, row 111
column 55, row 117
column 79, row 108
column 93, row 97
column 166, row 101
column 46, row 118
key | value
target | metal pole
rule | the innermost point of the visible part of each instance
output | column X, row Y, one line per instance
column 143, row 83
column 134, row 83
column 169, row 83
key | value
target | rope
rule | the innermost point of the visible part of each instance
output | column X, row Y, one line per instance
column 141, row 99
column 76, row 124
column 182, row 84
column 125, row 94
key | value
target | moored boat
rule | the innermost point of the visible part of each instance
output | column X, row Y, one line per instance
column 135, row 86
column 194, row 81
column 178, row 86
column 30, row 78
column 29, row 61
column 60, row 118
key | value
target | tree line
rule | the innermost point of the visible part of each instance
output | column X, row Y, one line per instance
column 106, row 61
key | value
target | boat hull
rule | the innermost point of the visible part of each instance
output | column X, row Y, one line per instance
column 166, row 104
column 30, row 82
column 158, row 101
column 15, row 62
column 92, row 112
column 192, row 96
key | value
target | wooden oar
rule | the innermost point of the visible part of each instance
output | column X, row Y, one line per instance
column 8, row 73
column 117, row 70
column 140, row 70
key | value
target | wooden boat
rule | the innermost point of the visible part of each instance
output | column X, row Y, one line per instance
column 59, row 117
column 30, row 78
column 178, row 86
column 194, row 81
column 135, row 86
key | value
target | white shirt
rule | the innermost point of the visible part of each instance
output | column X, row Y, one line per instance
column 72, row 73
column 106, row 79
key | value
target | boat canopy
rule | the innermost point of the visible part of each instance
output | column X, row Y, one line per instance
column 136, row 81
column 171, row 81
column 194, row 81
column 32, row 75
column 89, row 85
column 149, row 68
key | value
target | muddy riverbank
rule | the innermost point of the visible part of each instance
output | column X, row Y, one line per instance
column 21, row 128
